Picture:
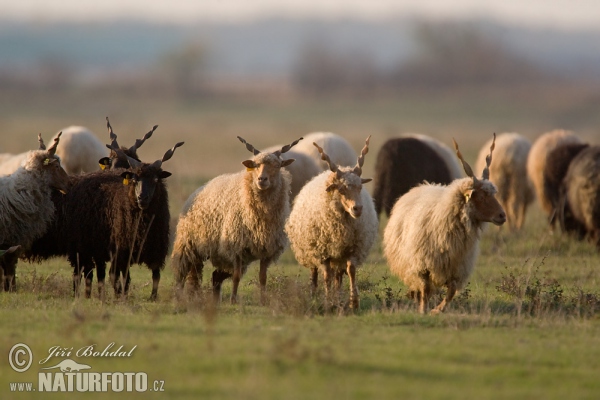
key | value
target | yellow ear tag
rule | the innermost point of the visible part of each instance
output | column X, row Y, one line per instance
column 249, row 169
column 102, row 167
column 467, row 197
column 125, row 181
column 46, row 161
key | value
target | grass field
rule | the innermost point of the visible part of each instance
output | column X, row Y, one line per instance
column 527, row 326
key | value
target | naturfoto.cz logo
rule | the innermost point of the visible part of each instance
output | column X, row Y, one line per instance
column 71, row 376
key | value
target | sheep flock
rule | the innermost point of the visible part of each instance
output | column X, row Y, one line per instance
column 93, row 203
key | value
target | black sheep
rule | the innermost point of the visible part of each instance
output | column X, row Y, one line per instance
column 580, row 193
column 402, row 164
column 555, row 170
column 121, row 216
column 54, row 242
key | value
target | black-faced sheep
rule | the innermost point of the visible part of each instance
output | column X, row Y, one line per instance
column 333, row 224
column 536, row 162
column 302, row 170
column 120, row 216
column 581, row 192
column 403, row 163
column 509, row 174
column 26, row 208
column 339, row 150
column 432, row 237
column 233, row 220
column 118, row 159
column 557, row 164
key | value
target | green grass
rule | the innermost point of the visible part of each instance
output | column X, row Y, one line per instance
column 527, row 326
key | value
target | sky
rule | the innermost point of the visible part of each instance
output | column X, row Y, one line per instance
column 562, row 14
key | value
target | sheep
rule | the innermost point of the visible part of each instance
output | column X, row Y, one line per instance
column 333, row 224
column 9, row 163
column 80, row 150
column 118, row 159
column 54, row 242
column 509, row 174
column 581, row 192
column 403, row 163
column 233, row 220
column 442, row 150
column 536, row 162
column 432, row 237
column 339, row 150
column 302, row 170
column 121, row 216
column 557, row 164
column 26, row 208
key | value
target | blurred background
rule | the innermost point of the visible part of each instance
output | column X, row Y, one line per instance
column 271, row 71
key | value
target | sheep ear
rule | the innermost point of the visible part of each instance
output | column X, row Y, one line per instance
column 468, row 195
column 249, row 164
column 127, row 176
column 104, row 163
column 367, row 180
column 164, row 174
column 285, row 163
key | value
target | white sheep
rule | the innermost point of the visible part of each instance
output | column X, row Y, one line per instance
column 509, row 174
column 432, row 237
column 80, row 150
column 302, row 170
column 234, row 220
column 333, row 224
column 9, row 163
column 26, row 207
column 338, row 149
column 536, row 163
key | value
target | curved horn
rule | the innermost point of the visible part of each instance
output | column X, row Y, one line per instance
column 52, row 149
column 488, row 160
column 325, row 157
column 111, row 134
column 361, row 159
column 287, row 148
column 140, row 142
column 466, row 166
column 41, row 141
column 249, row 146
column 167, row 155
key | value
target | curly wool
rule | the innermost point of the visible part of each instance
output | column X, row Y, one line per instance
column 229, row 219
column 509, row 173
column 26, row 207
column 319, row 228
column 430, row 231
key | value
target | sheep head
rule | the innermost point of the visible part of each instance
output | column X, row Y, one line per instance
column 345, row 183
column 480, row 195
column 146, row 177
column 58, row 178
column 266, row 167
column 116, row 159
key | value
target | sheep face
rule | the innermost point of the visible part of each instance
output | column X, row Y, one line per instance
column 482, row 204
column 49, row 165
column 144, row 180
column 345, row 186
column 266, row 169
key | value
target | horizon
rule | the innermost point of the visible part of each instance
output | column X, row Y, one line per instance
column 561, row 14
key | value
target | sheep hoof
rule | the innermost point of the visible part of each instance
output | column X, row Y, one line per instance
column 354, row 304
column 153, row 296
column 234, row 300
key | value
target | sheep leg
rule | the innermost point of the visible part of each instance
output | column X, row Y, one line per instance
column 192, row 279
column 88, row 273
column 262, row 278
column 237, row 276
column 328, row 278
column 314, row 279
column 10, row 265
column 424, row 293
column 155, row 282
column 217, row 280
column 449, row 295
column 351, row 269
